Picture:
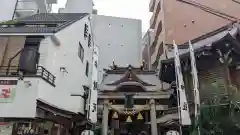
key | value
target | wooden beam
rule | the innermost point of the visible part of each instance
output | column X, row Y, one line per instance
column 143, row 95
column 142, row 107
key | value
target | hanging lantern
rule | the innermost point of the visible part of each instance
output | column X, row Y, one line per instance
column 115, row 115
column 129, row 119
column 140, row 117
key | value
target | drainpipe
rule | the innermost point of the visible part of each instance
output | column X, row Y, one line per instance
column 149, row 56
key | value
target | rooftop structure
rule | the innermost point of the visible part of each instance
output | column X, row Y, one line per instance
column 13, row 9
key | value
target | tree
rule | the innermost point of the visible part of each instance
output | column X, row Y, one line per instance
column 220, row 111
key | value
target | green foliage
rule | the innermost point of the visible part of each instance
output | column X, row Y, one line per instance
column 219, row 111
column 8, row 22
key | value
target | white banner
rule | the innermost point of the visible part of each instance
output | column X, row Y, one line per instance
column 182, row 102
column 93, row 97
column 195, row 81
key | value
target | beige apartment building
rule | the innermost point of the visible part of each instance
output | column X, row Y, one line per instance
column 183, row 20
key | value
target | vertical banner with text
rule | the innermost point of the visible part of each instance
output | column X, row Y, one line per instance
column 93, row 97
column 182, row 102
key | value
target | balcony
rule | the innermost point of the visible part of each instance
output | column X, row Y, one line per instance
column 41, row 72
column 153, row 21
column 151, row 5
column 155, row 16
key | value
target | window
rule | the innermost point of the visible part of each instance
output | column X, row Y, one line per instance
column 159, row 29
column 81, row 52
column 95, row 84
column 94, row 107
column 87, row 68
column 89, row 40
column 85, row 31
column 96, row 64
column 156, row 14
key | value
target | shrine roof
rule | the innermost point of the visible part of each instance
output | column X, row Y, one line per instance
column 130, row 76
column 222, row 40
column 122, row 70
column 205, row 43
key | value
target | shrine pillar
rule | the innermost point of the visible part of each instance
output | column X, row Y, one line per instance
column 105, row 118
column 153, row 117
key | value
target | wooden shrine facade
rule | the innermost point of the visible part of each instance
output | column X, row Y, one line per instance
column 131, row 101
column 217, row 61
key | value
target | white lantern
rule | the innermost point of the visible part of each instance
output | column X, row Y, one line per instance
column 87, row 132
column 172, row 132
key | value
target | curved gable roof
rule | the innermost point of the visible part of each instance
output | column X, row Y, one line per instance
column 130, row 76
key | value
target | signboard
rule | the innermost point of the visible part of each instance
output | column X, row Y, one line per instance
column 7, row 90
column 6, row 128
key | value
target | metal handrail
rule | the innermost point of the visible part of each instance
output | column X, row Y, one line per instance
column 13, row 71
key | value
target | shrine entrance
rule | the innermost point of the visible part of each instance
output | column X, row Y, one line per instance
column 130, row 100
column 132, row 123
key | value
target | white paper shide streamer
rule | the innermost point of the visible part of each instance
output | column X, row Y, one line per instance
column 183, row 105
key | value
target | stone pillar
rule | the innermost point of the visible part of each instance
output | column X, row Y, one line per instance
column 153, row 117
column 105, row 118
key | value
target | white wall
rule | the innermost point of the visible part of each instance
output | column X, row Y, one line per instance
column 78, row 6
column 52, row 57
column 119, row 39
column 24, row 102
column 7, row 8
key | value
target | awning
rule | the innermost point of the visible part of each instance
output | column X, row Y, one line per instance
column 42, row 104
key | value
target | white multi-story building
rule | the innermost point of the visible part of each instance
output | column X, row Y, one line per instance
column 119, row 40
column 13, row 9
column 46, row 69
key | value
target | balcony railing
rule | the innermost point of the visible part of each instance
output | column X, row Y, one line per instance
column 13, row 71
column 151, row 5
column 155, row 16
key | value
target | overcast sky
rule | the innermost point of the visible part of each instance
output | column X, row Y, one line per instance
column 137, row 9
